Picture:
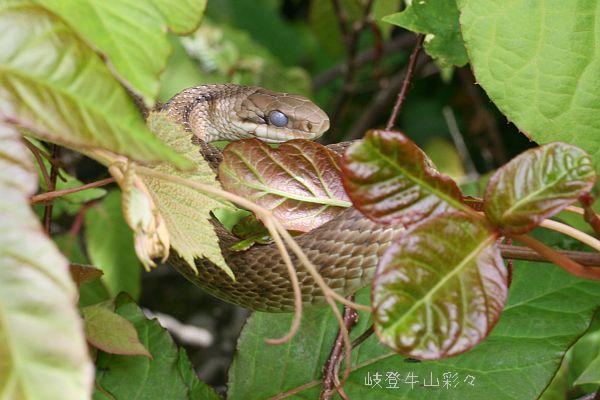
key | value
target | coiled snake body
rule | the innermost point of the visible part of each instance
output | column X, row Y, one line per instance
column 345, row 250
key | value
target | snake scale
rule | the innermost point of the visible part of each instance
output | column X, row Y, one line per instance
column 345, row 250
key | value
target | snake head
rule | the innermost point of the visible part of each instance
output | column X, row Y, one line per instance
column 277, row 117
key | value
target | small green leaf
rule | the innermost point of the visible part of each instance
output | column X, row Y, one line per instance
column 539, row 62
column 197, row 390
column 113, row 253
column 591, row 375
column 43, row 354
column 55, row 85
column 536, row 185
column 251, row 231
column 440, row 288
column 391, row 181
column 111, row 333
column 300, row 181
column 131, row 377
column 438, row 19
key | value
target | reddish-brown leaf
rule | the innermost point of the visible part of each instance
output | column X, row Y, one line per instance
column 300, row 181
column 440, row 288
column 391, row 181
column 84, row 273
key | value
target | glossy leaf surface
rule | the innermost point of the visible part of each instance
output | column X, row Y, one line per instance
column 440, row 288
column 299, row 181
column 536, row 185
column 391, row 181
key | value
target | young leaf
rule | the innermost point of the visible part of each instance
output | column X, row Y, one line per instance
column 56, row 85
column 137, row 59
column 131, row 377
column 539, row 62
column 111, row 333
column 84, row 273
column 299, row 181
column 536, row 185
column 439, row 20
column 391, row 181
column 547, row 310
column 190, row 237
column 113, row 253
column 440, row 288
column 251, row 231
column 42, row 347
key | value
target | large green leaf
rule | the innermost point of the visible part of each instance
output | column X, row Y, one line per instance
column 391, row 181
column 539, row 61
column 300, row 181
column 536, row 185
column 132, row 34
column 42, row 347
column 439, row 21
column 547, row 310
column 53, row 83
column 167, row 375
column 113, row 253
column 440, row 288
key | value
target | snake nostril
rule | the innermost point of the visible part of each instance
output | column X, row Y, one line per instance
column 309, row 126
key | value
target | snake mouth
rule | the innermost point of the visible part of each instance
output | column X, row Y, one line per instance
column 270, row 134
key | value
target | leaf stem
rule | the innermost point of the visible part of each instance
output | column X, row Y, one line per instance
column 570, row 231
column 565, row 263
column 51, row 187
column 49, row 196
column 584, row 258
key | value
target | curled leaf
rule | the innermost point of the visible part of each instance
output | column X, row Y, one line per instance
column 251, row 231
column 391, row 181
column 300, row 181
column 440, row 288
column 536, row 185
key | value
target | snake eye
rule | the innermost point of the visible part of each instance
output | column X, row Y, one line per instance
column 278, row 119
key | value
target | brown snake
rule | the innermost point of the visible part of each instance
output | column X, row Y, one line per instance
column 344, row 250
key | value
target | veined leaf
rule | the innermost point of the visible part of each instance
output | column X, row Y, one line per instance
column 185, row 211
column 539, row 62
column 163, row 376
column 439, row 21
column 131, row 33
column 440, row 288
column 56, row 86
column 536, row 185
column 391, row 181
column 299, row 181
column 42, row 347
column 111, row 333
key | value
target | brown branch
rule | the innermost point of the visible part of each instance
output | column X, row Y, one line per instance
column 559, row 259
column 37, row 154
column 406, row 83
column 584, row 258
column 332, row 365
column 49, row 196
column 51, row 187
column 589, row 215
column 342, row 19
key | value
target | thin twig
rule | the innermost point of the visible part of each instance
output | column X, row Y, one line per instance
column 459, row 143
column 51, row 187
column 406, row 83
column 38, row 158
column 584, row 258
column 363, row 336
column 572, row 232
column 332, row 365
column 564, row 262
column 587, row 200
column 49, row 196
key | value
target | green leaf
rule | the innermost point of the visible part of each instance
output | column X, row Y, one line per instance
column 130, row 33
column 440, row 288
column 251, row 231
column 391, row 181
column 591, row 374
column 198, row 390
column 131, row 377
column 190, row 237
column 111, row 333
column 56, row 86
column 113, row 253
column 439, row 21
column 300, row 181
column 547, row 310
column 536, row 185
column 539, row 62
column 42, row 347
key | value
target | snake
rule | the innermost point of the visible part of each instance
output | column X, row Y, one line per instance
column 345, row 250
